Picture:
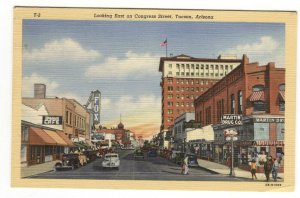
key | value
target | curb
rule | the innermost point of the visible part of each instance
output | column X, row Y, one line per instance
column 211, row 171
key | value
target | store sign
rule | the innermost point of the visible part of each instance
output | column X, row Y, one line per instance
column 96, row 107
column 52, row 120
column 230, row 132
column 232, row 119
column 269, row 120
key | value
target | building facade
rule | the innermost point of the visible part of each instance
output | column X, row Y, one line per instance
column 184, row 78
column 257, row 93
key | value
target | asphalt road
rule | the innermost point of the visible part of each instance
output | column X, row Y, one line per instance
column 149, row 168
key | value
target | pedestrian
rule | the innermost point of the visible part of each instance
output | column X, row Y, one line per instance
column 253, row 168
column 275, row 169
column 186, row 165
column 268, row 167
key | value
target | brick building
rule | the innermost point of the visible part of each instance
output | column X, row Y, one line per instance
column 184, row 78
column 258, row 94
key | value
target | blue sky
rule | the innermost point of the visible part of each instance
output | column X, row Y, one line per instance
column 121, row 59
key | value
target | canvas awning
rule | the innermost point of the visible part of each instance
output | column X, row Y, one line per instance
column 257, row 96
column 66, row 139
column 56, row 137
column 282, row 95
column 38, row 136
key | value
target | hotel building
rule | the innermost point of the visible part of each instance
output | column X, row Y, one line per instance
column 184, row 78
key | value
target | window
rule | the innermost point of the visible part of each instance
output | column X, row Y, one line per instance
column 187, row 104
column 177, row 104
column 258, row 88
column 197, row 66
column 187, row 66
column 182, row 104
column 206, row 67
column 177, row 73
column 187, row 74
column 170, row 66
column 182, row 73
column 24, row 134
column 231, row 66
column 170, row 96
column 170, row 104
column 188, row 96
column 170, row 73
column 177, row 89
column 182, row 88
column 240, row 102
column 192, row 66
column 217, row 66
column 197, row 82
column 192, row 74
column 177, row 66
column 197, row 89
column 282, row 97
column 258, row 106
column 182, row 81
column 70, row 118
column 182, row 96
column 177, row 96
column 67, row 117
column 169, row 82
column 170, row 111
column 197, row 73
column 75, row 123
column 202, row 89
column 232, row 104
column 177, row 81
column 187, row 88
column 202, row 82
column 192, row 88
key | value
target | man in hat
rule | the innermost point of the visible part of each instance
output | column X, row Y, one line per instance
column 268, row 167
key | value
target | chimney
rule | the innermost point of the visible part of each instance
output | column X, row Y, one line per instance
column 39, row 91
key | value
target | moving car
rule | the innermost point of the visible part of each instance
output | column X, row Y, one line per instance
column 111, row 160
column 138, row 154
column 69, row 161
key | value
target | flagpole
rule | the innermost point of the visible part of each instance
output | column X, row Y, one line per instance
column 167, row 48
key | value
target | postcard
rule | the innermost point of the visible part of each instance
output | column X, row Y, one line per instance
column 154, row 99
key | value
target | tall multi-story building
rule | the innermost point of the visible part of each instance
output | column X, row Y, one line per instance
column 184, row 78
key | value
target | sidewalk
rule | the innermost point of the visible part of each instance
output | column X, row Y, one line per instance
column 37, row 169
column 225, row 170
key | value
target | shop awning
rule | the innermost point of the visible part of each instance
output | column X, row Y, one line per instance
column 39, row 137
column 56, row 137
column 257, row 96
column 79, row 145
column 66, row 139
column 282, row 95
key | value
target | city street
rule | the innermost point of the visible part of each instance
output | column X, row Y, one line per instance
column 150, row 168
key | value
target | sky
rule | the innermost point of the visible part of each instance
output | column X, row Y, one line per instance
column 121, row 60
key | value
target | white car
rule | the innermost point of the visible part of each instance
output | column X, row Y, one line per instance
column 111, row 160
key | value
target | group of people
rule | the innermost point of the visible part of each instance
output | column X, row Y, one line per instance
column 271, row 165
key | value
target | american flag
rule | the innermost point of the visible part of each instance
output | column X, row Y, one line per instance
column 164, row 43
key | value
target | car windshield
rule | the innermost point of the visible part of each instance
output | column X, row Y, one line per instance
column 111, row 156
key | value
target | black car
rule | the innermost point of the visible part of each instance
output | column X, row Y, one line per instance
column 138, row 154
column 152, row 153
column 69, row 161
column 90, row 155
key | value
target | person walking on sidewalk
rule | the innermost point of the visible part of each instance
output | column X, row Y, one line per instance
column 268, row 167
column 253, row 168
column 275, row 169
column 186, row 165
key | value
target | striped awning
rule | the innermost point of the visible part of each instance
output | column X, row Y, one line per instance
column 269, row 143
column 282, row 94
column 257, row 96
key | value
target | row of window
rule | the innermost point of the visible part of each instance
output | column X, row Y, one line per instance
column 200, row 66
column 182, row 104
column 189, row 81
column 170, row 73
column 170, row 96
column 79, row 121
column 196, row 89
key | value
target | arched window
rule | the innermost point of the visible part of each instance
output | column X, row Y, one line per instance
column 258, row 98
column 240, row 102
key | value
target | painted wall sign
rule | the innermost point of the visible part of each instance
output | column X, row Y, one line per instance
column 232, row 119
column 52, row 120
column 269, row 120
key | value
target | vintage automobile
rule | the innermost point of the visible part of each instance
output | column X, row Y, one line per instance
column 152, row 153
column 91, row 155
column 111, row 160
column 138, row 154
column 192, row 160
column 69, row 161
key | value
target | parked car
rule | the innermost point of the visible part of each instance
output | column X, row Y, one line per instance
column 152, row 153
column 192, row 160
column 90, row 155
column 69, row 161
column 111, row 160
column 138, row 154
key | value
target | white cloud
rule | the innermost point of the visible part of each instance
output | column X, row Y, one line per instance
column 265, row 49
column 133, row 64
column 266, row 44
column 61, row 50
column 29, row 81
